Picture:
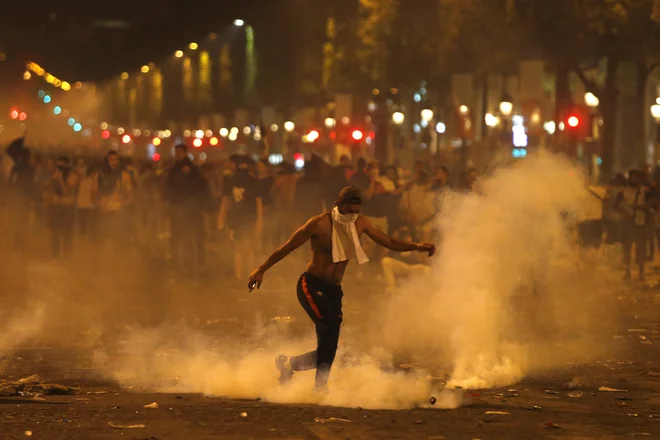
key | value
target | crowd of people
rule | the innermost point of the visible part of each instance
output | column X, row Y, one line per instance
column 117, row 202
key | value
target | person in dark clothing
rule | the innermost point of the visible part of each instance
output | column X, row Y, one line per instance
column 361, row 179
column 113, row 192
column 632, row 203
column 310, row 192
column 62, row 209
column 22, row 194
column 188, row 195
column 241, row 211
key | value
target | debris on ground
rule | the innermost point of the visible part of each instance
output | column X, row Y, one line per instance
column 282, row 319
column 153, row 405
column 433, row 400
column 611, row 390
column 497, row 413
column 653, row 374
column 243, row 414
column 137, row 426
column 28, row 433
column 535, row 408
column 574, row 384
column 551, row 425
column 576, row 394
column 331, row 419
column 8, row 391
column 32, row 385
column 97, row 392
column 551, row 392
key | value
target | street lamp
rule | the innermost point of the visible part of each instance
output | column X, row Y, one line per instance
column 289, row 126
column 591, row 100
column 329, row 123
column 398, row 118
column 440, row 127
column 427, row 115
column 463, row 109
column 238, row 22
column 506, row 107
column 655, row 112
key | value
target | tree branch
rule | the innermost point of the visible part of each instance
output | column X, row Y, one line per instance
column 588, row 83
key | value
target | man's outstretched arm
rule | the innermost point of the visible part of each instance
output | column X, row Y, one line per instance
column 392, row 243
column 298, row 238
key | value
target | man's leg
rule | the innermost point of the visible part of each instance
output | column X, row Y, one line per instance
column 326, row 314
column 627, row 249
column 640, row 249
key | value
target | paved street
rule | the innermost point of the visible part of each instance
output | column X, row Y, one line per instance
column 563, row 402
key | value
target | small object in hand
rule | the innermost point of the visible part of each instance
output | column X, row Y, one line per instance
column 252, row 285
column 433, row 400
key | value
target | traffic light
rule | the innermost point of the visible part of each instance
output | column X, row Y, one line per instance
column 577, row 125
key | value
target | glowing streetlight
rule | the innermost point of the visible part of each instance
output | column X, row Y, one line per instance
column 330, row 122
column 224, row 132
column 463, row 109
column 178, row 53
column 238, row 22
column 491, row 120
column 506, row 108
column 655, row 111
column 289, row 126
column 193, row 46
column 440, row 127
column 427, row 115
column 591, row 100
column 274, row 128
column 398, row 118
column 144, row 69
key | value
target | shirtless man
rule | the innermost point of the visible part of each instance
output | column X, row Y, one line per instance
column 335, row 241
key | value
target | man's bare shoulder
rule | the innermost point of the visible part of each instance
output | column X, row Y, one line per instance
column 318, row 222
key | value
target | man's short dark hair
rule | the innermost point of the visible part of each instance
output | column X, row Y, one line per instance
column 183, row 147
column 349, row 195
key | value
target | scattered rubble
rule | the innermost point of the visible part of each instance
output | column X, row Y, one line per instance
column 33, row 385
column 611, row 390
column 137, row 426
column 331, row 419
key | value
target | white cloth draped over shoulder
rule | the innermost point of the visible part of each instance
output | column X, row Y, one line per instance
column 345, row 240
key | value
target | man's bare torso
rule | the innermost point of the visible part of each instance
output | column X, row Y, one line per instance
column 321, row 264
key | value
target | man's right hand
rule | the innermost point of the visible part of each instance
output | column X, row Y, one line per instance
column 256, row 278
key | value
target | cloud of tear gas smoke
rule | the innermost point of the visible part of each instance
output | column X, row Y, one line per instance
column 172, row 359
column 507, row 294
column 504, row 293
column 23, row 322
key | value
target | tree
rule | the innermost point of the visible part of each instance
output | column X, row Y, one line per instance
column 374, row 28
column 579, row 33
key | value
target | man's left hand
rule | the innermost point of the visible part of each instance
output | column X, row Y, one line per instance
column 427, row 247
